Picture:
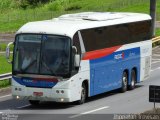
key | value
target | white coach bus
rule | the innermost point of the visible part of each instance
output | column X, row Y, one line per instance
column 76, row 56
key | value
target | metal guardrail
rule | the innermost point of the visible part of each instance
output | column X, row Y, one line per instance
column 5, row 76
column 156, row 39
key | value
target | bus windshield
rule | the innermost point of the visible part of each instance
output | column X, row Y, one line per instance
column 42, row 54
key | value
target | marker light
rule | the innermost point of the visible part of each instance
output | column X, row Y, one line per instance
column 62, row 100
column 17, row 97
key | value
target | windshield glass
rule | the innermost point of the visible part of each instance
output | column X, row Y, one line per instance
column 42, row 54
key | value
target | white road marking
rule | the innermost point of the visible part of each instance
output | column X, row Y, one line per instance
column 1, row 112
column 88, row 112
column 155, row 69
column 155, row 62
column 5, row 96
column 156, row 59
column 156, row 55
column 23, row 106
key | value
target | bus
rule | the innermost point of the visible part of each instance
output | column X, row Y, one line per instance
column 76, row 56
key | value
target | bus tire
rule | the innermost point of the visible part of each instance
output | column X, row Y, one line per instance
column 133, row 80
column 83, row 94
column 34, row 102
column 124, row 82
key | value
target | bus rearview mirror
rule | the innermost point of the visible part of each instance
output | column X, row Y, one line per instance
column 76, row 60
column 8, row 52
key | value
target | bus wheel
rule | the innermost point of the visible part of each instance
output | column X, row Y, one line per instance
column 124, row 82
column 34, row 102
column 133, row 80
column 83, row 94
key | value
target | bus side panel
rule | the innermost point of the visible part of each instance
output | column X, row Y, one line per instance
column 146, row 55
column 108, row 70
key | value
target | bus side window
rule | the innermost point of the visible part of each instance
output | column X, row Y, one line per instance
column 76, row 43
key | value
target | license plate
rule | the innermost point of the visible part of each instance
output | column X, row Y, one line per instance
column 38, row 93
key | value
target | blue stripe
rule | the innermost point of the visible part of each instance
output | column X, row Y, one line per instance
column 106, row 73
column 29, row 82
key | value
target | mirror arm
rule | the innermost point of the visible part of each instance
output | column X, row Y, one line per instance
column 74, row 47
column 10, row 44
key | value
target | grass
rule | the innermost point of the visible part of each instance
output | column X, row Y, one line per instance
column 158, row 32
column 5, row 67
column 11, row 19
column 3, row 47
column 5, row 83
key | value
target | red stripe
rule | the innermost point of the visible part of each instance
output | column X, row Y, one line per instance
column 100, row 53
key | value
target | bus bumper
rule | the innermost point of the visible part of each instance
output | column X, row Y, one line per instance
column 42, row 94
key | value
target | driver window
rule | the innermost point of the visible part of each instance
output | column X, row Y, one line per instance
column 77, row 43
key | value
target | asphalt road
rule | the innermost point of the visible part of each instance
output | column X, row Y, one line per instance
column 105, row 106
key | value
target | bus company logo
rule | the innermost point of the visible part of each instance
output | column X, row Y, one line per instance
column 27, row 81
column 119, row 56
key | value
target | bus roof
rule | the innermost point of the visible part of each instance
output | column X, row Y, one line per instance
column 69, row 24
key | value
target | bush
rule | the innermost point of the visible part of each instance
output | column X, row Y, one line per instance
column 73, row 6
column 29, row 3
column 36, row 2
column 55, row 6
column 5, row 83
column 5, row 4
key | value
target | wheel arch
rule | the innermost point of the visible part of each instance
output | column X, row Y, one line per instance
column 86, row 83
column 136, row 72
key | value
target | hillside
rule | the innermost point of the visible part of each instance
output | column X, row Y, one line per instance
column 13, row 14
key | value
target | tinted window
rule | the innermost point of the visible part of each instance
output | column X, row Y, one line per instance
column 99, row 38
column 76, row 43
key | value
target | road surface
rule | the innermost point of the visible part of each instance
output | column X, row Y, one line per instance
column 102, row 106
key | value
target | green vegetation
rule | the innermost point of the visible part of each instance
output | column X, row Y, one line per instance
column 5, row 83
column 5, row 67
column 15, row 13
column 158, row 32
column 3, row 47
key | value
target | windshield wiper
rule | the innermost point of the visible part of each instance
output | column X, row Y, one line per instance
column 46, row 66
column 28, row 66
